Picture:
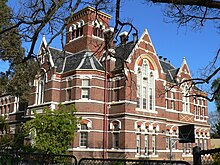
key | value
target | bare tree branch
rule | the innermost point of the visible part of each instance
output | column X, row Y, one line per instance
column 203, row 3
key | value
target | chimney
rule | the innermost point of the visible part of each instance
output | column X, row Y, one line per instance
column 135, row 37
column 114, row 44
column 160, row 57
column 165, row 59
column 124, row 37
column 108, row 34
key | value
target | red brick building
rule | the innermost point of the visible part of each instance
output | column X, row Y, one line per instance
column 142, row 111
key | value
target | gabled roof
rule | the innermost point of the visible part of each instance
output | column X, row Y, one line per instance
column 184, row 63
column 66, row 61
column 82, row 60
column 122, row 53
column 58, row 57
column 169, row 70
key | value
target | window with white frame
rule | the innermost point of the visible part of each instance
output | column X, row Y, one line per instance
column 187, row 148
column 185, row 99
column 170, row 100
column 145, row 87
column 76, row 30
column 84, row 135
column 167, row 139
column 41, row 88
column 205, row 142
column 85, row 88
column 154, row 144
column 138, row 141
column 174, row 142
column 199, row 109
column 116, row 135
column 98, row 29
column 146, row 143
column 69, row 89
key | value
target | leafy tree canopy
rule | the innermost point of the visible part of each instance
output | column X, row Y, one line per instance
column 7, row 139
column 16, row 79
column 215, row 87
column 53, row 130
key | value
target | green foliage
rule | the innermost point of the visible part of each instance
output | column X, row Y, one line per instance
column 215, row 87
column 15, row 80
column 215, row 158
column 53, row 131
column 8, row 140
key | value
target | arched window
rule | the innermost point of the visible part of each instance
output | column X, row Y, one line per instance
column 98, row 29
column 95, row 29
column 185, row 99
column 81, row 28
column 76, row 30
column 115, row 126
column 83, row 135
column 41, row 88
column 138, row 140
column 145, row 86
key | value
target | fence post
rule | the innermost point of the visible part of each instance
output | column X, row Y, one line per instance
column 197, row 156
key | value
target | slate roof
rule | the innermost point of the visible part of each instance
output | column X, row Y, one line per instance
column 58, row 57
column 82, row 60
column 65, row 61
column 170, row 70
column 122, row 53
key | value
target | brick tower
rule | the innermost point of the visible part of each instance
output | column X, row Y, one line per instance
column 86, row 31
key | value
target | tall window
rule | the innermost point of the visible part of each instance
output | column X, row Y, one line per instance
column 172, row 100
column 167, row 139
column 84, row 135
column 77, row 30
column 98, row 29
column 145, row 87
column 41, row 88
column 154, row 144
column 202, row 113
column 174, row 142
column 69, row 89
column 95, row 29
column 185, row 99
column 205, row 141
column 146, row 143
column 116, row 136
column 138, row 141
column 138, row 89
column 85, row 88
column 199, row 109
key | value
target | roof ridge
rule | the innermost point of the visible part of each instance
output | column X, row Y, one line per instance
column 60, row 50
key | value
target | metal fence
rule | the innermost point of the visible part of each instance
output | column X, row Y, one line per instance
column 206, row 157
column 95, row 161
column 21, row 158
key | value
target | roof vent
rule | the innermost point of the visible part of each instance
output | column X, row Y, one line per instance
column 135, row 37
column 124, row 37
